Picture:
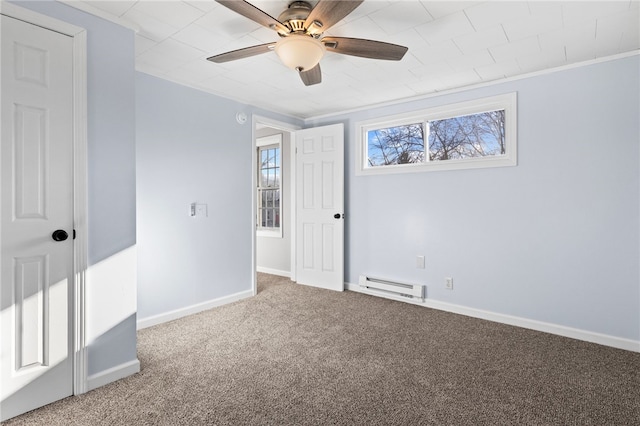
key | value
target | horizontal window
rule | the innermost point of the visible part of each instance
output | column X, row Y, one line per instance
column 480, row 133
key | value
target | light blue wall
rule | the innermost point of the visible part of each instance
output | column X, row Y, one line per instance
column 111, row 164
column 190, row 149
column 555, row 239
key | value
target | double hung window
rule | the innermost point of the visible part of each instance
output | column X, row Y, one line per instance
column 269, row 184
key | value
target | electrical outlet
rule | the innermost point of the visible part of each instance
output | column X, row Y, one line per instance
column 420, row 262
column 448, row 283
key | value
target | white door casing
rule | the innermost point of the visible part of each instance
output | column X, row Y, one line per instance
column 43, row 146
column 320, row 207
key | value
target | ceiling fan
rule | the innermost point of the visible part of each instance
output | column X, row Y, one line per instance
column 302, row 43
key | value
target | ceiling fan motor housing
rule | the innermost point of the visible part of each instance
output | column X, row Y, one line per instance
column 295, row 16
column 299, row 50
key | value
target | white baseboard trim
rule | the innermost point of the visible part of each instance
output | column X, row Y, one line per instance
column 560, row 330
column 190, row 310
column 111, row 375
column 273, row 271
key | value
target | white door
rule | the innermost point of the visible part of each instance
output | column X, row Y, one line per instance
column 36, row 170
column 320, row 207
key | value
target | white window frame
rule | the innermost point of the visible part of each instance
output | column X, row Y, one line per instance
column 261, row 142
column 506, row 102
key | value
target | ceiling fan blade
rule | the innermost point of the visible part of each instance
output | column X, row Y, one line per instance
column 330, row 12
column 248, row 10
column 364, row 48
column 241, row 53
column 311, row 77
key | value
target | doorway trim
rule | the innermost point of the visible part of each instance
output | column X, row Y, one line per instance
column 78, row 316
column 286, row 127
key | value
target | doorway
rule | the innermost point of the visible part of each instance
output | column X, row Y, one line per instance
column 316, row 202
column 274, row 198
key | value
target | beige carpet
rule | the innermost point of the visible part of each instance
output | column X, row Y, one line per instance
column 295, row 355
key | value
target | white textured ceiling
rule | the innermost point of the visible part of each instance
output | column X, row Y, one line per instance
column 452, row 44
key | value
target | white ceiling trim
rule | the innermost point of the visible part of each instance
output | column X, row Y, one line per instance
column 477, row 85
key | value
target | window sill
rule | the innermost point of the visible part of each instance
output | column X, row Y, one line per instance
column 475, row 163
column 270, row 233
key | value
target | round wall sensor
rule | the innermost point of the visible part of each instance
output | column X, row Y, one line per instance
column 241, row 118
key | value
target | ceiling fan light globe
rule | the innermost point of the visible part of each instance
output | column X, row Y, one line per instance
column 299, row 52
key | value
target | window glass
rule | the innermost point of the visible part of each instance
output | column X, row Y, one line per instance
column 269, row 187
column 396, row 145
column 467, row 136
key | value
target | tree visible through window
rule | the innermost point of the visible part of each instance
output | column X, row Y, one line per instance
column 466, row 136
column 396, row 145
column 269, row 187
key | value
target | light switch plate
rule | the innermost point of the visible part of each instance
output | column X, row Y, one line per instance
column 197, row 210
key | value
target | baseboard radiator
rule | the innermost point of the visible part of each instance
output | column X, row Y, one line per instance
column 378, row 286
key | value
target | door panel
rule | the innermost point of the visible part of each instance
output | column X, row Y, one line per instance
column 36, row 170
column 30, row 153
column 320, row 189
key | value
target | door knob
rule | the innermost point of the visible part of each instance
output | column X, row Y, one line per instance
column 59, row 235
column 337, row 216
